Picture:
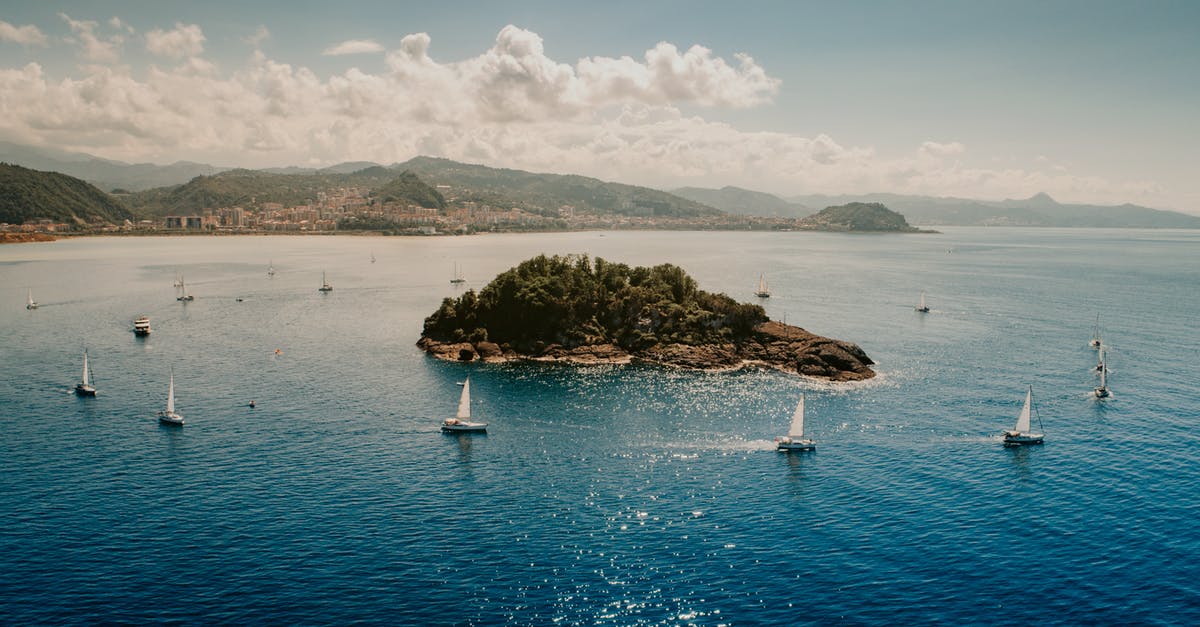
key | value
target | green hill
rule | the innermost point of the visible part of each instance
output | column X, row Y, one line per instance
column 744, row 202
column 547, row 193
column 858, row 216
column 27, row 195
column 408, row 187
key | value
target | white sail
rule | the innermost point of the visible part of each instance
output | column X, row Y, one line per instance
column 1023, row 418
column 171, row 395
column 85, row 369
column 29, row 299
column 762, row 283
column 797, row 429
column 922, row 300
column 1103, row 370
column 464, row 401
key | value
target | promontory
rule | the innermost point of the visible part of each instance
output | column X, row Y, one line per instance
column 573, row 309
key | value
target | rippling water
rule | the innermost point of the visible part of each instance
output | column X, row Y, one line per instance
column 603, row 495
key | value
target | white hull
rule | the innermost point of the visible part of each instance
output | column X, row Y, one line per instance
column 1012, row 438
column 170, row 418
column 453, row 425
column 788, row 445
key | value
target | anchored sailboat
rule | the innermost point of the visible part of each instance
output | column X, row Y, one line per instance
column 372, row 256
column 1021, row 433
column 762, row 291
column 84, row 387
column 795, row 440
column 325, row 286
column 29, row 303
column 923, row 308
column 270, row 269
column 458, row 276
column 168, row 415
column 183, row 293
column 1102, row 390
column 461, row 422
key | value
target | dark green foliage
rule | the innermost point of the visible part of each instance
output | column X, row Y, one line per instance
column 859, row 216
column 570, row 300
column 32, row 195
column 408, row 188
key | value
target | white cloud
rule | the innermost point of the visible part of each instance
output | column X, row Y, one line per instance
column 510, row 106
column 353, row 46
column 93, row 47
column 260, row 35
column 185, row 40
column 28, row 35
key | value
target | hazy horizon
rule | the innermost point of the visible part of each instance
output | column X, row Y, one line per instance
column 1089, row 103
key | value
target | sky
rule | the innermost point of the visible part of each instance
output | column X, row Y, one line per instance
column 1088, row 101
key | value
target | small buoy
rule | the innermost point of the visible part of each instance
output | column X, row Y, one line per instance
column 278, row 352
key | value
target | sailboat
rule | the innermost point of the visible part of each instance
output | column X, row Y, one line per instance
column 461, row 422
column 29, row 304
column 458, row 277
column 325, row 286
column 762, row 291
column 270, row 269
column 168, row 415
column 1095, row 341
column 1102, row 390
column 372, row 256
column 795, row 440
column 923, row 308
column 1021, row 433
column 84, row 387
column 183, row 294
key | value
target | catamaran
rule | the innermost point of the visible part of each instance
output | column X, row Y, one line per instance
column 762, row 291
column 1102, row 390
column 183, row 293
column 461, row 422
column 141, row 326
column 923, row 308
column 458, row 276
column 84, row 387
column 325, row 286
column 1021, row 433
column 29, row 303
column 795, row 440
column 168, row 415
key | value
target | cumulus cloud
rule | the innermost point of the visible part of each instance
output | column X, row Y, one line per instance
column 511, row 105
column 28, row 35
column 353, row 46
column 92, row 46
column 185, row 40
column 260, row 35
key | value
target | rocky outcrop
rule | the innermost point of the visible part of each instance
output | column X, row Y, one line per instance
column 772, row 344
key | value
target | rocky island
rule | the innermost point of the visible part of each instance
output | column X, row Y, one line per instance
column 858, row 216
column 571, row 309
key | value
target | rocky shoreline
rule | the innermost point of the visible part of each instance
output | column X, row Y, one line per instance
column 772, row 344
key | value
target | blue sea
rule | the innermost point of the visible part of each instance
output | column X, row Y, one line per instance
column 601, row 495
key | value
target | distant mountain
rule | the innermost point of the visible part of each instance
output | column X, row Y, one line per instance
column 27, row 195
column 547, row 193
column 249, row 188
column 744, row 202
column 104, row 173
column 1038, row 210
column 858, row 216
column 408, row 187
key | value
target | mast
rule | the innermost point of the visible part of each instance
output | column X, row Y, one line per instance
column 464, row 401
column 85, row 368
column 797, row 429
column 1103, row 370
column 922, row 300
column 1023, row 417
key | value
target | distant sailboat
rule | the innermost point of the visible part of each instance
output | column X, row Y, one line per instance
column 1095, row 341
column 29, row 303
column 84, row 387
column 458, row 277
column 923, row 308
column 270, row 269
column 372, row 256
column 325, row 286
column 461, row 422
column 795, row 440
column 1021, row 433
column 168, row 415
column 1101, row 391
column 762, row 291
column 183, row 293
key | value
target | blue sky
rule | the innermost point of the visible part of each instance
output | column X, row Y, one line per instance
column 1089, row 101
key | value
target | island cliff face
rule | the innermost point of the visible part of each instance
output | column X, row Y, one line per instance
column 567, row 309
